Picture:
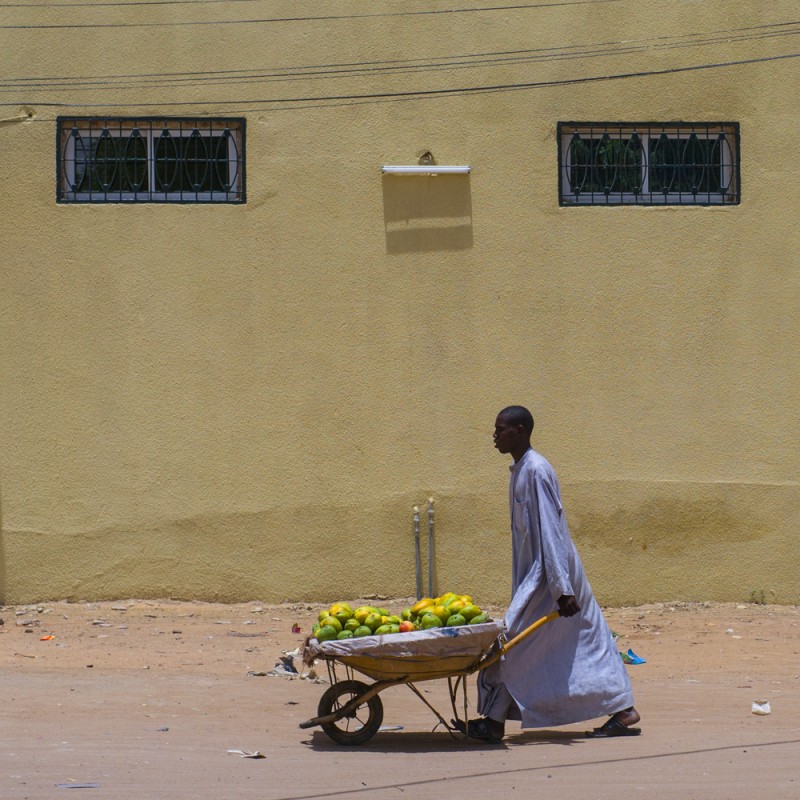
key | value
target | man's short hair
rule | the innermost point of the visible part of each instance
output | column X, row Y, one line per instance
column 518, row 415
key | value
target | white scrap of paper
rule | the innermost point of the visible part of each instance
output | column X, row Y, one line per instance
column 247, row 753
column 761, row 707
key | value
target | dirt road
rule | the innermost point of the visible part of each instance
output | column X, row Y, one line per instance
column 144, row 699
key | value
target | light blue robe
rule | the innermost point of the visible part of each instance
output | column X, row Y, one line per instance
column 569, row 670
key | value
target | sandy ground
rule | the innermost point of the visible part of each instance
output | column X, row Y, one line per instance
column 144, row 699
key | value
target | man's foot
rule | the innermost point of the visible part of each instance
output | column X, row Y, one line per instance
column 483, row 728
column 620, row 724
column 627, row 717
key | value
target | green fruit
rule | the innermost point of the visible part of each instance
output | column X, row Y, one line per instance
column 352, row 625
column 406, row 614
column 326, row 633
column 362, row 631
column 344, row 634
column 394, row 628
column 482, row 617
column 333, row 622
column 455, row 621
column 383, row 612
column 470, row 611
column 392, row 620
column 343, row 615
column 373, row 621
column 383, row 629
column 430, row 621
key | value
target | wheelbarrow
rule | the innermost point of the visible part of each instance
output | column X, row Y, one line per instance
column 350, row 711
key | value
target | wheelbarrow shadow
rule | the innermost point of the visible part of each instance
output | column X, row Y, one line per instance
column 441, row 741
column 403, row 742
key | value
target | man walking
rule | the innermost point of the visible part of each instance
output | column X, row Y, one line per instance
column 570, row 670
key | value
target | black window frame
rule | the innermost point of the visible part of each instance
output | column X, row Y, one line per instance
column 203, row 157
column 714, row 139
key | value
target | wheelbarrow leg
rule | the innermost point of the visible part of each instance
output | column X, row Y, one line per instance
column 442, row 721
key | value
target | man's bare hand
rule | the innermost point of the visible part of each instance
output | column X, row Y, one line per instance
column 568, row 605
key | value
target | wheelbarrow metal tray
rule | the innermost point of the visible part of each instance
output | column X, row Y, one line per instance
column 416, row 655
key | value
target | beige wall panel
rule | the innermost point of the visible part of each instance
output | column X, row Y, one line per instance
column 237, row 402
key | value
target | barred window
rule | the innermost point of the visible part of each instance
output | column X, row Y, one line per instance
column 686, row 163
column 150, row 160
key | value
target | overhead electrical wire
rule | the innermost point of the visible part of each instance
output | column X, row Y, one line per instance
column 83, row 3
column 402, row 66
column 321, row 18
column 345, row 99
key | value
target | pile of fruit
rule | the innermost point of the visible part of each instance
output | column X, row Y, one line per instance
column 451, row 610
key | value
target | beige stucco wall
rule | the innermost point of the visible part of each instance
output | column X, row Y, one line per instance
column 239, row 402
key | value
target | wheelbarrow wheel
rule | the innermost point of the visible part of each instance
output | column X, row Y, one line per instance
column 358, row 727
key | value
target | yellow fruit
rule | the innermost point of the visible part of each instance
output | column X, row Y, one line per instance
column 362, row 612
column 420, row 605
column 447, row 597
column 454, row 606
column 333, row 622
column 341, row 606
column 441, row 612
column 467, row 598
column 468, row 612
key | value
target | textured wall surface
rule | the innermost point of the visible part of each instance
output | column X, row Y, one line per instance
column 236, row 402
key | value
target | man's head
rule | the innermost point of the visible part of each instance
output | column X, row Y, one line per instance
column 512, row 431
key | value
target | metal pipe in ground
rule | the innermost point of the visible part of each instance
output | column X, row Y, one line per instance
column 430, row 547
column 416, row 552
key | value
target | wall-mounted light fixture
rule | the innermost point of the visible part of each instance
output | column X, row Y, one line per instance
column 425, row 166
column 425, row 169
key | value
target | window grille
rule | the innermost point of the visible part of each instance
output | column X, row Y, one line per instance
column 631, row 163
column 150, row 160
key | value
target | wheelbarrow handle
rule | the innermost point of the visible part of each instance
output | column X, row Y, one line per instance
column 518, row 638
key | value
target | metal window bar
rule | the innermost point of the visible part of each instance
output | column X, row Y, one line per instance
column 150, row 160
column 648, row 163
